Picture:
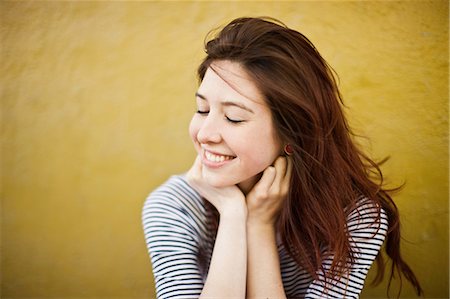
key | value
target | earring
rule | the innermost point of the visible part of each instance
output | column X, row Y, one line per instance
column 288, row 149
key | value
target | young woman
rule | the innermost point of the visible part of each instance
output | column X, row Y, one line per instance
column 279, row 202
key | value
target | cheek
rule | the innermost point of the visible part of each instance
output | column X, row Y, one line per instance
column 258, row 161
column 194, row 127
column 259, row 152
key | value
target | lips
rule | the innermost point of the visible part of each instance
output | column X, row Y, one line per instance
column 215, row 159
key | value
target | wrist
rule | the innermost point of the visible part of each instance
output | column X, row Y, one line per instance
column 256, row 226
column 234, row 212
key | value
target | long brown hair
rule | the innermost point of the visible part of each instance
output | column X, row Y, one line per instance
column 330, row 173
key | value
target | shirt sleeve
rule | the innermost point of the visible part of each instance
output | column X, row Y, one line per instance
column 171, row 228
column 367, row 226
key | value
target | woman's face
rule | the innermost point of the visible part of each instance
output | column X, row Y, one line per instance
column 233, row 130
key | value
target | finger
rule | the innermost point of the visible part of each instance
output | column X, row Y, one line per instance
column 290, row 166
column 198, row 163
column 280, row 166
column 288, row 175
column 266, row 180
column 196, row 170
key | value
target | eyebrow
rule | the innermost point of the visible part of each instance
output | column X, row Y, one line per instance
column 227, row 103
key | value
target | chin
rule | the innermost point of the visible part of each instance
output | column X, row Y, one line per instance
column 222, row 180
column 217, row 182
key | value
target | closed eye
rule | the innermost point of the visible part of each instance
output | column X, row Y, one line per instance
column 234, row 121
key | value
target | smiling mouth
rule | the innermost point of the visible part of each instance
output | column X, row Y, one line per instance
column 215, row 158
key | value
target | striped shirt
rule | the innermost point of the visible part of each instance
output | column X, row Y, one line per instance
column 175, row 223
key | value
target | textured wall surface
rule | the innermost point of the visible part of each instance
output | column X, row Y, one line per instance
column 97, row 97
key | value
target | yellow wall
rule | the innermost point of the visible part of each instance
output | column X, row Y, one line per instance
column 96, row 100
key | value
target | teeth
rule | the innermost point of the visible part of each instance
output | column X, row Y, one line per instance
column 216, row 158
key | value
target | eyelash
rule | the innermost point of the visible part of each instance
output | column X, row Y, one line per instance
column 227, row 118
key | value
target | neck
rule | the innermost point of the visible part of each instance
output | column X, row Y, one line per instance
column 247, row 185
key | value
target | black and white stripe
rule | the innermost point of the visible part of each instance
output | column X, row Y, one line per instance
column 174, row 221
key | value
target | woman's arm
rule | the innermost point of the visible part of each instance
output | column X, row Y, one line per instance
column 367, row 227
column 227, row 272
column 172, row 234
column 264, row 276
column 264, row 203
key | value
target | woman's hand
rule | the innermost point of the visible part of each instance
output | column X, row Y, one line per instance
column 265, row 200
column 228, row 268
column 264, row 204
column 225, row 199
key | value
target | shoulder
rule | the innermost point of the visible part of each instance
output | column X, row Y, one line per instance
column 367, row 223
column 366, row 211
column 174, row 185
column 175, row 201
column 175, row 192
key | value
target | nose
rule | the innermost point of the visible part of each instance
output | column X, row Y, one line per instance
column 209, row 131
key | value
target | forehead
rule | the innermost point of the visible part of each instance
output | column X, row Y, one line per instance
column 226, row 80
